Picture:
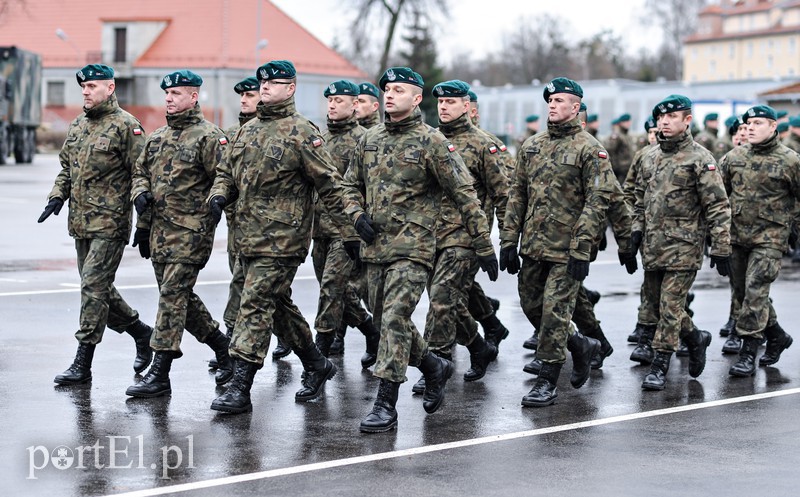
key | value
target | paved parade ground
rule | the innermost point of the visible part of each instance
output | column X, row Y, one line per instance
column 716, row 435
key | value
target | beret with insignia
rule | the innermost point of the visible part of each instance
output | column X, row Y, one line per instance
column 730, row 121
column 184, row 77
column 783, row 127
column 452, row 88
column 794, row 121
column 367, row 88
column 94, row 72
column 473, row 97
column 672, row 103
column 341, row 87
column 532, row 118
column 562, row 85
column 781, row 114
column 401, row 75
column 764, row 111
column 591, row 118
column 276, row 69
column 649, row 124
column 711, row 116
column 247, row 84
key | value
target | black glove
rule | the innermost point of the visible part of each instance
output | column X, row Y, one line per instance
column 603, row 242
column 141, row 237
column 353, row 250
column 577, row 269
column 365, row 229
column 628, row 259
column 636, row 241
column 489, row 264
column 217, row 205
column 142, row 201
column 53, row 207
column 509, row 260
column 723, row 264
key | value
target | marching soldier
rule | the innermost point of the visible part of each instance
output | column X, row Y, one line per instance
column 621, row 147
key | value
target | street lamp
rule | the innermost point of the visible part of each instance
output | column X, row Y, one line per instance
column 261, row 45
column 63, row 36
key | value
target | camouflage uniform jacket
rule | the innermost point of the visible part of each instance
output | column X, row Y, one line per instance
column 620, row 216
column 231, row 207
column 370, row 121
column 271, row 169
column 629, row 186
column 621, row 148
column 723, row 146
column 178, row 166
column 793, row 141
column 484, row 160
column 559, row 196
column 679, row 193
column 707, row 139
column 97, row 158
column 341, row 140
column 397, row 176
column 763, row 182
column 508, row 166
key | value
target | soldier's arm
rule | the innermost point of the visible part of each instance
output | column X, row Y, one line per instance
column 133, row 144
column 224, row 184
column 214, row 147
column 517, row 204
column 63, row 182
column 353, row 184
column 141, row 183
column 621, row 218
column 496, row 181
column 629, row 186
column 598, row 182
column 716, row 207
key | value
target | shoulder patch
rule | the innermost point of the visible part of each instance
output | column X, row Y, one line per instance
column 223, row 140
column 137, row 131
column 711, row 167
column 450, row 147
column 503, row 148
column 602, row 154
column 316, row 142
column 492, row 149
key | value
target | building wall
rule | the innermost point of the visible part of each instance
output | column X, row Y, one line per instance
column 743, row 58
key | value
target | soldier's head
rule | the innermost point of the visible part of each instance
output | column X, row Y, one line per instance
column 181, row 89
column 342, row 98
column 97, row 84
column 583, row 115
column 474, row 114
column 741, row 132
column 711, row 121
column 278, row 81
column 673, row 115
column 592, row 122
column 761, row 122
column 452, row 100
column 623, row 122
column 367, row 102
column 247, row 89
column 532, row 123
column 783, row 130
column 563, row 97
column 794, row 125
column 783, row 116
column 402, row 92
column 651, row 129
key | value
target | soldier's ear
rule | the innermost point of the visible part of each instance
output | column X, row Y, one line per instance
column 111, row 87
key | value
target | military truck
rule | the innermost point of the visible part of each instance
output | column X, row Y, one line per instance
column 20, row 103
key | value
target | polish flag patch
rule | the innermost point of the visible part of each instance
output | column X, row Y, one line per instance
column 711, row 167
column 450, row 147
column 503, row 148
column 602, row 154
column 492, row 149
column 223, row 141
column 317, row 142
column 137, row 131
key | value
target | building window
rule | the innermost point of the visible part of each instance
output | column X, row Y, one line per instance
column 694, row 52
column 732, row 50
column 792, row 44
column 750, row 49
column 120, row 44
column 55, row 93
column 769, row 61
column 712, row 67
column 790, row 72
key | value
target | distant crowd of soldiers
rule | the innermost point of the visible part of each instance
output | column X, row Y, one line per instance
column 395, row 207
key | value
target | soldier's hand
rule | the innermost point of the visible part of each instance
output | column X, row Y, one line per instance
column 628, row 259
column 603, row 242
column 579, row 270
column 636, row 241
column 217, row 205
column 365, row 229
column 723, row 264
column 509, row 260
column 488, row 263
column 142, row 201
column 53, row 207
column 141, row 238
column 353, row 250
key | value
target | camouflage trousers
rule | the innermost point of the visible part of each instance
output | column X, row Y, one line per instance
column 101, row 303
column 669, row 289
column 234, row 291
column 339, row 303
column 448, row 320
column 179, row 307
column 479, row 306
column 583, row 316
column 735, row 305
column 394, row 291
column 267, row 308
column 752, row 272
column 648, row 305
column 547, row 295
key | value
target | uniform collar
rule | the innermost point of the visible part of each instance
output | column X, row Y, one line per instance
column 343, row 126
column 277, row 111
column 768, row 145
column 457, row 126
column 415, row 119
column 569, row 128
column 103, row 109
column 672, row 145
column 243, row 118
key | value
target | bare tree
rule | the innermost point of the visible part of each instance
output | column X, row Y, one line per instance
column 604, row 56
column 539, row 50
column 677, row 19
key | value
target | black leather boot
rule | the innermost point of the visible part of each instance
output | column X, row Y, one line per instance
column 656, row 379
column 437, row 371
column 683, row 349
column 81, row 369
column 383, row 416
column 582, row 349
column 746, row 365
column 605, row 347
column 219, row 343
column 728, row 327
column 212, row 364
column 318, row 370
column 733, row 344
column 532, row 342
column 636, row 333
column 337, row 347
column 534, row 366
column 697, row 341
column 156, row 381
column 493, row 330
column 643, row 353
column 282, row 349
column 236, row 398
column 544, row 391
column 494, row 303
column 324, row 341
column 141, row 336
column 373, row 336
column 777, row 341
column 419, row 386
column 481, row 353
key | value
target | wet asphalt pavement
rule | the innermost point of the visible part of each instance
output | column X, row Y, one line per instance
column 715, row 435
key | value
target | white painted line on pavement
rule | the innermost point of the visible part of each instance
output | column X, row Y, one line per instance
column 305, row 468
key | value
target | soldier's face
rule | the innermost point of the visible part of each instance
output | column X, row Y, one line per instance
column 248, row 101
column 400, row 99
column 276, row 91
column 561, row 107
column 674, row 123
column 96, row 92
column 451, row 108
column 651, row 136
column 340, row 107
column 366, row 105
column 741, row 135
column 760, row 129
column 180, row 98
column 626, row 125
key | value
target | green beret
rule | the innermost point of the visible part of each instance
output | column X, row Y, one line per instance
column 582, row 107
column 94, row 72
column 730, row 121
column 623, row 117
column 760, row 111
column 591, row 118
column 734, row 126
column 367, row 88
column 562, row 85
column 247, row 84
column 184, row 77
column 649, row 124
column 794, row 121
column 452, row 88
column 276, row 69
column 711, row 116
column 401, row 75
column 671, row 103
column 532, row 118
column 341, row 87
column 782, row 113
column 472, row 96
column 783, row 127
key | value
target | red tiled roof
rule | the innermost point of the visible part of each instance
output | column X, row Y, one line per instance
column 782, row 90
column 199, row 34
column 742, row 34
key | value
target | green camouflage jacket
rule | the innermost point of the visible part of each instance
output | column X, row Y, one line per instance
column 620, row 147
column 370, row 121
column 679, row 194
column 178, row 167
column 793, row 141
column 271, row 169
column 707, row 139
column 231, row 207
column 559, row 196
column 723, row 146
column 397, row 176
column 97, row 158
column 763, row 182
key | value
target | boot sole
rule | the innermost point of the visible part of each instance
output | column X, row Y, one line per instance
column 370, row 363
column 531, row 370
column 641, row 360
column 232, row 410
column 652, row 387
column 731, row 350
column 281, row 355
column 741, row 374
column 535, row 403
column 447, row 374
column 377, row 429
column 64, row 382
column 761, row 361
column 599, row 365
column 142, row 395
column 321, row 388
column 417, row 390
